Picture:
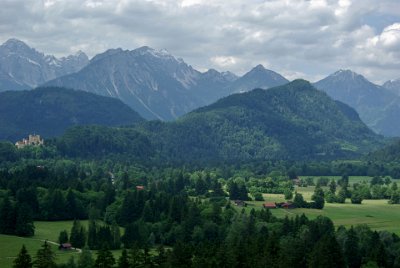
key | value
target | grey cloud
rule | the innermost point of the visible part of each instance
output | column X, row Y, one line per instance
column 312, row 37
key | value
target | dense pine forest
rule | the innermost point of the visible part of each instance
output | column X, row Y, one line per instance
column 190, row 216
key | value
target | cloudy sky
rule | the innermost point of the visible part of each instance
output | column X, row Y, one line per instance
column 297, row 38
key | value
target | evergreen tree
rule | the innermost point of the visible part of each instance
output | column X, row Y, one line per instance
column 332, row 186
column 136, row 256
column 352, row 249
column 23, row 259
column 92, row 240
column 131, row 235
column 356, row 197
column 63, row 237
column 234, row 193
column 116, row 233
column 298, row 201
column 318, row 198
column 105, row 259
column 45, row 257
column 78, row 235
column 341, row 196
column 85, row 259
column 71, row 206
column 24, row 223
column 7, row 217
column 28, row 197
column 326, row 253
column 123, row 261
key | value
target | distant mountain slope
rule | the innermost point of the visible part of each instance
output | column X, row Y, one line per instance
column 158, row 85
column 258, row 77
column 49, row 111
column 393, row 86
column 390, row 153
column 154, row 83
column 294, row 121
column 378, row 107
column 22, row 67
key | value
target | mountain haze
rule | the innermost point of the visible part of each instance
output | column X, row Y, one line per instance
column 22, row 67
column 378, row 107
column 49, row 111
column 393, row 86
column 258, row 77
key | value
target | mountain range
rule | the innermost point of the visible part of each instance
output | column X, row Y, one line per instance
column 160, row 86
column 294, row 121
column 377, row 106
column 50, row 111
column 22, row 67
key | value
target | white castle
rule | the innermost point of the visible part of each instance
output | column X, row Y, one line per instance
column 34, row 140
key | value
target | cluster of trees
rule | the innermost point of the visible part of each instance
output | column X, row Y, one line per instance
column 377, row 188
column 96, row 236
column 318, row 200
column 16, row 219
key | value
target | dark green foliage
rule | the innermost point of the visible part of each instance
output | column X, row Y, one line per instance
column 104, row 259
column 50, row 111
column 7, row 152
column 299, row 201
column 78, row 235
column 98, row 141
column 45, row 257
column 123, row 261
column 356, row 197
column 63, row 237
column 24, row 222
column 294, row 121
column 390, row 153
column 332, row 186
column 327, row 254
column 23, row 259
column 85, row 259
column 318, row 198
column 288, row 194
column 352, row 252
column 7, row 217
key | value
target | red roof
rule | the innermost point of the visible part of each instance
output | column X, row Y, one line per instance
column 269, row 205
column 139, row 187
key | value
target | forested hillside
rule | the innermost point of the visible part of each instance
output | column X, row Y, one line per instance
column 294, row 121
column 50, row 111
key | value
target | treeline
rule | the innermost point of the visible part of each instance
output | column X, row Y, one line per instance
column 254, row 239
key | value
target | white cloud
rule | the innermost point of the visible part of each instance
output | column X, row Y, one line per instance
column 224, row 61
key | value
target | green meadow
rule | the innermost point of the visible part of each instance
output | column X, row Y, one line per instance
column 377, row 214
column 11, row 245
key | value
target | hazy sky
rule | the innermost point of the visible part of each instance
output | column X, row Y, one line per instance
column 297, row 38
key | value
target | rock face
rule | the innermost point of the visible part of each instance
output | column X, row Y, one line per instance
column 158, row 85
column 377, row 106
column 393, row 85
column 22, row 67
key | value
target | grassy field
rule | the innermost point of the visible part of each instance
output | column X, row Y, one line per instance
column 11, row 245
column 377, row 214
